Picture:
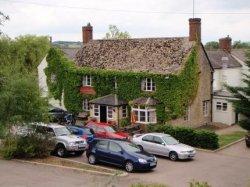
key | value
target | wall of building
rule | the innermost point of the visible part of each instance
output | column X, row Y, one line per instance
column 226, row 117
column 230, row 76
column 195, row 117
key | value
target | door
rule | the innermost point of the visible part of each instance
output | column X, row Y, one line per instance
column 116, row 154
column 159, row 147
column 147, row 143
column 103, row 114
column 102, row 151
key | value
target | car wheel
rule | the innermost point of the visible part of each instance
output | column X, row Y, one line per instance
column 79, row 153
column 61, row 151
column 129, row 166
column 173, row 156
column 140, row 147
column 92, row 159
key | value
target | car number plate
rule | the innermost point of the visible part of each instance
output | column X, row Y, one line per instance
column 81, row 145
column 153, row 164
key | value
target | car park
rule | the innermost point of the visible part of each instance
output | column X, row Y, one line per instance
column 102, row 130
column 65, row 141
column 83, row 132
column 120, row 153
column 164, row 145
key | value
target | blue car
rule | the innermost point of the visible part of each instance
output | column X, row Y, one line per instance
column 120, row 153
column 83, row 132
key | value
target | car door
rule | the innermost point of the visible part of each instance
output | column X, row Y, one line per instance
column 159, row 147
column 101, row 150
column 147, row 143
column 115, row 154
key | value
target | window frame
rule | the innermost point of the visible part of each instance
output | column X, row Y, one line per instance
column 85, row 105
column 110, row 112
column 87, row 80
column 148, row 85
column 124, row 111
column 138, row 112
column 96, row 110
column 222, row 105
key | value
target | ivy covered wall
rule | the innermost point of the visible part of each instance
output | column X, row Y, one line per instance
column 174, row 91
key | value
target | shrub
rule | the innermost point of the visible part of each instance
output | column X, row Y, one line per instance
column 124, row 122
column 197, row 138
column 198, row 184
column 32, row 145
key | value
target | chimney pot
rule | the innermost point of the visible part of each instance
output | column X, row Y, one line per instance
column 87, row 33
column 225, row 43
column 195, row 29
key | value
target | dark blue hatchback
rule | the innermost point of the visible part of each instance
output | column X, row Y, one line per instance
column 120, row 153
column 84, row 132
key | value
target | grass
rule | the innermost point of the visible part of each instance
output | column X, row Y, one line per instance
column 226, row 139
column 148, row 185
column 77, row 165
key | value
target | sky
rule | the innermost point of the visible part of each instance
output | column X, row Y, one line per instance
column 63, row 19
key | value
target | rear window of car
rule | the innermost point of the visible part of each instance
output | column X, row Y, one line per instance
column 102, row 144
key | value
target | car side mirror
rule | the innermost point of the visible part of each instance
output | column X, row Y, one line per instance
column 163, row 143
column 121, row 151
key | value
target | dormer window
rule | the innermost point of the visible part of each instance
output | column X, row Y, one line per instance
column 87, row 80
column 148, row 85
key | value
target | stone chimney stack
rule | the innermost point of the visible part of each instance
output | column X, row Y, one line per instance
column 225, row 44
column 87, row 33
column 195, row 29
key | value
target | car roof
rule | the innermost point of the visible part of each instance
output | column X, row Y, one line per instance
column 157, row 134
column 51, row 125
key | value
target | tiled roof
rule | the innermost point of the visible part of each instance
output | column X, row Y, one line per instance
column 147, row 101
column 154, row 55
column 222, row 93
column 70, row 52
column 220, row 59
column 109, row 100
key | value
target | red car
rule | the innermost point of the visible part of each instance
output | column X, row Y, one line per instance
column 102, row 130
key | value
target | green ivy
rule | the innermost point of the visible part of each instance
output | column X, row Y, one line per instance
column 174, row 91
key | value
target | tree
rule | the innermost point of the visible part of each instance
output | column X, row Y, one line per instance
column 115, row 33
column 212, row 45
column 242, row 94
column 239, row 44
column 3, row 18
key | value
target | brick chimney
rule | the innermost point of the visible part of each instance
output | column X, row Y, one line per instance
column 195, row 29
column 87, row 33
column 225, row 44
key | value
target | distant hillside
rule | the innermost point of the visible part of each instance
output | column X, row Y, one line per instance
column 67, row 44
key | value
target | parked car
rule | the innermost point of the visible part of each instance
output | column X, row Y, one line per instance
column 58, row 114
column 65, row 141
column 164, row 145
column 83, row 132
column 102, row 130
column 120, row 153
column 247, row 140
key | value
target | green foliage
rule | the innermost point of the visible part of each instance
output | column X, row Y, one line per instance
column 198, row 184
column 124, row 122
column 30, row 146
column 241, row 45
column 3, row 18
column 242, row 102
column 175, row 92
column 115, row 33
column 148, row 185
column 212, row 45
column 197, row 138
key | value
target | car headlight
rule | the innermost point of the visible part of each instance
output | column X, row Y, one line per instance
column 142, row 161
column 155, row 158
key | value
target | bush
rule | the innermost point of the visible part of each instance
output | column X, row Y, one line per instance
column 32, row 145
column 197, row 138
column 124, row 122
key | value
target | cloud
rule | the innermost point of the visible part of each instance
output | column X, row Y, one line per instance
column 65, row 23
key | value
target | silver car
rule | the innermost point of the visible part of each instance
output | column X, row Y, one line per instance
column 164, row 145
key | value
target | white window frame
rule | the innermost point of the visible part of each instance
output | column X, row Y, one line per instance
column 110, row 112
column 87, row 80
column 146, row 111
column 148, row 85
column 221, row 104
column 85, row 105
column 205, row 108
column 96, row 110
column 124, row 111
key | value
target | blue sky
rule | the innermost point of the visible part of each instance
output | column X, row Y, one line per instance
column 63, row 19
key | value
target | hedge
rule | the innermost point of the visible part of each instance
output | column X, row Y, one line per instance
column 196, row 138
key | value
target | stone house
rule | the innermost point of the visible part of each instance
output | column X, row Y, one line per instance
column 229, row 67
column 156, row 56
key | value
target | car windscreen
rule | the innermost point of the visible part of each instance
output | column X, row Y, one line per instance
column 61, row 131
column 130, row 147
column 109, row 129
column 169, row 140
